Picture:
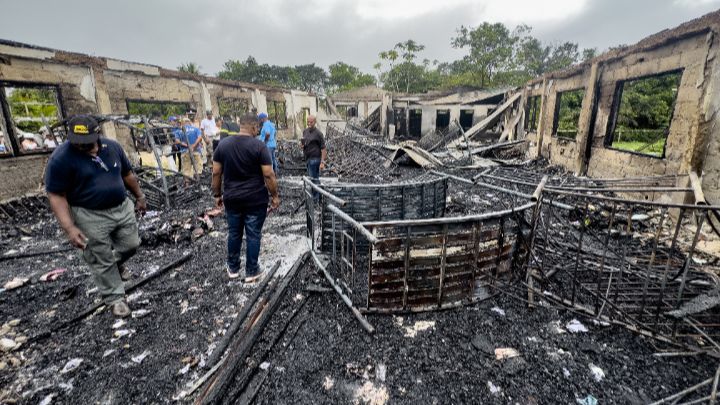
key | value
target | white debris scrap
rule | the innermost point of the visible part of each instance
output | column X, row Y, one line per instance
column 370, row 394
column 597, row 372
column 498, row 310
column 140, row 357
column 48, row 399
column 121, row 333
column 7, row 344
column 134, row 296
column 16, row 282
column 71, row 365
column 502, row 353
column 264, row 365
column 411, row 331
column 140, row 313
column 118, row 324
column 494, row 389
column 576, row 326
column 328, row 383
column 639, row 217
column 381, row 372
column 184, row 370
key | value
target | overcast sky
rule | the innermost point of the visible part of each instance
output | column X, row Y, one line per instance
column 293, row 32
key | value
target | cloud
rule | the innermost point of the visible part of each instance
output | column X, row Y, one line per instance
column 291, row 32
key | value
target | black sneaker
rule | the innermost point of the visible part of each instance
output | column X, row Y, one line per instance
column 232, row 274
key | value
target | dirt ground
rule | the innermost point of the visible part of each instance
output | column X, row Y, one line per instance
column 313, row 350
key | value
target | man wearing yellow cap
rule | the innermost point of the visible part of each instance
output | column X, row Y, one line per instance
column 86, row 182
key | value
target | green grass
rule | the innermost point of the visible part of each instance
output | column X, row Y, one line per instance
column 653, row 149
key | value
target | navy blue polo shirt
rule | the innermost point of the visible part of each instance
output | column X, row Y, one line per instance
column 95, row 184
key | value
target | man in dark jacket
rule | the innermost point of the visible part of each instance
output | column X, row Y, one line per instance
column 86, row 182
column 243, row 164
column 313, row 145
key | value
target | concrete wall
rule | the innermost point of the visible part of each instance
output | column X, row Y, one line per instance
column 688, row 54
column 694, row 133
column 560, row 150
column 710, row 125
column 98, row 85
column 429, row 114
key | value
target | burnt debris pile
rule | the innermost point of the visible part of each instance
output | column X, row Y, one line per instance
column 454, row 273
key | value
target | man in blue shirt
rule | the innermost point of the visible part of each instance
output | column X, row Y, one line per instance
column 86, row 182
column 267, row 136
column 189, row 139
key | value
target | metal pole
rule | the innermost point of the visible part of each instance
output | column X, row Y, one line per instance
column 365, row 324
column 324, row 192
column 158, row 160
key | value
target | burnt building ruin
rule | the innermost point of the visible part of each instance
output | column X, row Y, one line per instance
column 553, row 243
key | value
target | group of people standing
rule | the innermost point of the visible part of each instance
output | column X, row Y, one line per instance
column 87, row 179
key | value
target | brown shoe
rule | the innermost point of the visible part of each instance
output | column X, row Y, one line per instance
column 120, row 309
column 125, row 274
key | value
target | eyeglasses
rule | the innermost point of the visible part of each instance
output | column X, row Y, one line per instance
column 100, row 163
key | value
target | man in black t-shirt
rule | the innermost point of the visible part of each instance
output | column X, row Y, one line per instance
column 243, row 165
column 313, row 145
column 86, row 182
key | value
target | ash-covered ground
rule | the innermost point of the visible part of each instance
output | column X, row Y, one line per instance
column 313, row 350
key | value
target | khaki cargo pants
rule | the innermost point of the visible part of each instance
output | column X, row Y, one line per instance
column 187, row 164
column 112, row 239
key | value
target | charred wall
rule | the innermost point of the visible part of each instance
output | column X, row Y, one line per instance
column 693, row 135
column 87, row 85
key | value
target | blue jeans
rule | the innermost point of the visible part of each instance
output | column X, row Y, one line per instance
column 274, row 160
column 313, row 169
column 251, row 222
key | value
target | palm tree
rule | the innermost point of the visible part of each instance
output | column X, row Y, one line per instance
column 190, row 67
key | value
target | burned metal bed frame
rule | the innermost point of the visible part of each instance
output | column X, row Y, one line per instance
column 600, row 249
column 574, row 243
column 396, row 253
column 163, row 188
column 629, row 262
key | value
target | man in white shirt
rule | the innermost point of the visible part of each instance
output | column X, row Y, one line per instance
column 210, row 131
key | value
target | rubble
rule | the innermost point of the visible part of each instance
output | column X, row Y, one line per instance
column 431, row 353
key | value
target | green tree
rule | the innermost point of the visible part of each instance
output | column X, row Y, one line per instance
column 190, row 67
column 498, row 56
column 311, row 78
column 251, row 71
column 647, row 103
column 588, row 53
column 402, row 73
column 490, row 50
column 301, row 77
column 344, row 77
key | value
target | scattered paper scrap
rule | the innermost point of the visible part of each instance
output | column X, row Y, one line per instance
column 502, row 353
column 576, row 326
